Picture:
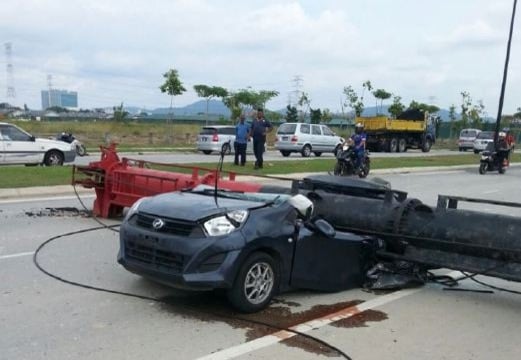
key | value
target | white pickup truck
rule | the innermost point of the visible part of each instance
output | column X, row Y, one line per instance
column 20, row 147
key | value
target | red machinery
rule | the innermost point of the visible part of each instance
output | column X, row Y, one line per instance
column 119, row 183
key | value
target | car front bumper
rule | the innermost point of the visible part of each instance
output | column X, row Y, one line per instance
column 182, row 262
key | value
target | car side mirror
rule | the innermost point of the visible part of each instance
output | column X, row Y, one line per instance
column 325, row 228
column 32, row 138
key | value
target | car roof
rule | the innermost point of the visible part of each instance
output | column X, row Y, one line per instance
column 218, row 126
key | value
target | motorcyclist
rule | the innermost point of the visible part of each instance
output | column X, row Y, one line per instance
column 509, row 138
column 503, row 148
column 358, row 140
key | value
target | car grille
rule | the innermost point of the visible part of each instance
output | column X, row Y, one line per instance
column 150, row 254
column 172, row 226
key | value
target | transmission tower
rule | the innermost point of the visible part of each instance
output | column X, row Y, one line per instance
column 10, row 91
column 49, row 85
column 297, row 88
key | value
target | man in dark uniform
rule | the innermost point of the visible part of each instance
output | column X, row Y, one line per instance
column 259, row 128
column 242, row 132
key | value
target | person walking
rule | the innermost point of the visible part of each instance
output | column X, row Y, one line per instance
column 242, row 133
column 259, row 128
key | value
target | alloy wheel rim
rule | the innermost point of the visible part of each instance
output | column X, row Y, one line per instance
column 259, row 282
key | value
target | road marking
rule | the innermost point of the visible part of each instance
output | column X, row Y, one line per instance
column 54, row 198
column 2, row 257
column 279, row 336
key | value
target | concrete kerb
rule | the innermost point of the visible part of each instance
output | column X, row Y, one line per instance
column 65, row 190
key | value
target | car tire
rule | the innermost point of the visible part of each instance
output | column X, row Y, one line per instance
column 393, row 145
column 81, row 150
column 255, row 283
column 53, row 158
column 226, row 149
column 207, row 152
column 306, row 151
column 317, row 153
column 460, row 149
column 483, row 168
column 427, row 144
column 476, row 151
column 402, row 145
column 285, row 153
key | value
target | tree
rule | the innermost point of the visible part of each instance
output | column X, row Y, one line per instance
column 326, row 115
column 396, row 107
column 291, row 114
column 353, row 101
column 452, row 118
column 209, row 92
column 518, row 113
column 466, row 103
column 304, row 102
column 120, row 115
column 315, row 115
column 381, row 94
column 172, row 86
column 247, row 99
column 476, row 114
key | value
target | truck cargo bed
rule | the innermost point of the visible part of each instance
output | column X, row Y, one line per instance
column 383, row 123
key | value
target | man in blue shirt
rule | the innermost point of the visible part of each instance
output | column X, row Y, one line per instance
column 242, row 133
column 259, row 128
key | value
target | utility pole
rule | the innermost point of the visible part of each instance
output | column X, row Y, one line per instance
column 10, row 91
column 49, row 85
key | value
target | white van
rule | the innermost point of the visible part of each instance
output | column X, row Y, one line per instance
column 306, row 139
column 466, row 139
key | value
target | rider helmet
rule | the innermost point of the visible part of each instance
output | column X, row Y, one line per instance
column 502, row 134
column 359, row 127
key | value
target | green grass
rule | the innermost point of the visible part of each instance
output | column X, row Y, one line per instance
column 21, row 176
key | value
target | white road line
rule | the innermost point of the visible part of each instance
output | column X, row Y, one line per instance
column 279, row 336
column 35, row 199
column 2, row 257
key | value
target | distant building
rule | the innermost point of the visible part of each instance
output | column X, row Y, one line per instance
column 61, row 98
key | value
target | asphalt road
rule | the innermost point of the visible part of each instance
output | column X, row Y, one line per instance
column 42, row 318
column 183, row 157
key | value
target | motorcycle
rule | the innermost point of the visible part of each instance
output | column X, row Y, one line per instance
column 492, row 160
column 81, row 150
column 346, row 160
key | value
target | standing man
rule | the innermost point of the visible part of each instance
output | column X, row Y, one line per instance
column 242, row 133
column 259, row 128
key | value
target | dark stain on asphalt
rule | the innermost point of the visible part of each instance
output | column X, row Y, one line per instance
column 214, row 307
column 59, row 212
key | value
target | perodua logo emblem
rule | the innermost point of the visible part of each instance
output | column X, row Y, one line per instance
column 158, row 223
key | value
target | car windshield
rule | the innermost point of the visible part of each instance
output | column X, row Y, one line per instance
column 247, row 196
column 486, row 135
column 287, row 129
column 208, row 131
column 468, row 133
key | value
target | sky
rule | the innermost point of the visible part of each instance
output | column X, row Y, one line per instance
column 113, row 51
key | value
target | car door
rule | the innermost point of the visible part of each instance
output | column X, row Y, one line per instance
column 317, row 141
column 19, row 146
column 330, row 139
column 2, row 148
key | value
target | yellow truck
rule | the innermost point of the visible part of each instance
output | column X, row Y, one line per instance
column 412, row 129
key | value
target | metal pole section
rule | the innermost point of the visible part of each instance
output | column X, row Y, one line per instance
column 500, row 107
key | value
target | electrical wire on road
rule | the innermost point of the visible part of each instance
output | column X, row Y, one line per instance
column 148, row 298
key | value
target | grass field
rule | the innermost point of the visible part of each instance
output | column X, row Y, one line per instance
column 21, row 176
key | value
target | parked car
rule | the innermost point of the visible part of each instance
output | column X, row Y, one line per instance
column 466, row 139
column 306, row 139
column 482, row 140
column 218, row 138
column 207, row 239
column 19, row 147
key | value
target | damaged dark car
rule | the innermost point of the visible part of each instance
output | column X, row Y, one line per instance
column 253, row 245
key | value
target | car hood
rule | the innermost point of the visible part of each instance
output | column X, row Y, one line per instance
column 62, row 145
column 191, row 206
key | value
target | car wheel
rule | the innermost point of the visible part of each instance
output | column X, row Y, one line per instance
column 255, row 283
column 285, row 153
column 402, row 145
column 476, row 151
column 226, row 149
column 207, row 152
column 483, row 168
column 53, row 158
column 427, row 145
column 306, row 151
column 393, row 145
column 317, row 153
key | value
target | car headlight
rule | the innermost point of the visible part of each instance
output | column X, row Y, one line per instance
column 225, row 224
